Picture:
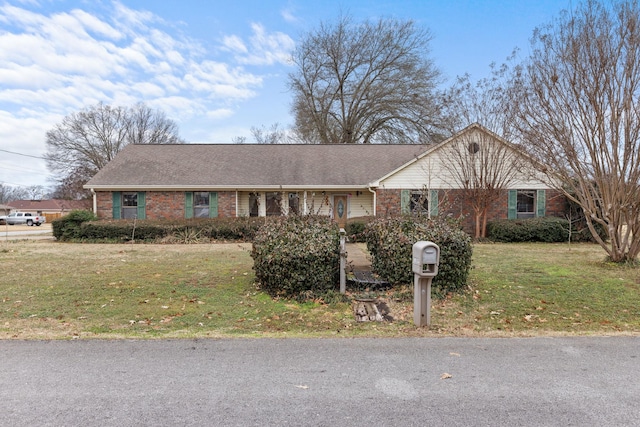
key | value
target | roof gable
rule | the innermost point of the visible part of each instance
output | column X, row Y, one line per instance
column 429, row 152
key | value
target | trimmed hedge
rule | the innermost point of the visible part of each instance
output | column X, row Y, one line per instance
column 356, row 226
column 297, row 256
column 85, row 227
column 68, row 227
column 390, row 242
column 544, row 229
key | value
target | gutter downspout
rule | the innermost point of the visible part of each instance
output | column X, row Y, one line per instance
column 375, row 200
column 95, row 202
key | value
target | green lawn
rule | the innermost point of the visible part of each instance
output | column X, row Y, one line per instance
column 54, row 290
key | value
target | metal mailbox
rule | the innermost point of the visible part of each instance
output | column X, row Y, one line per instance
column 426, row 257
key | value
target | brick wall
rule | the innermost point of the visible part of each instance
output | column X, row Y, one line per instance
column 166, row 204
column 104, row 200
column 388, row 202
column 454, row 204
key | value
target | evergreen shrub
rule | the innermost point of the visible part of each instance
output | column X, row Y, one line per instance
column 543, row 229
column 355, row 228
column 297, row 256
column 162, row 231
column 68, row 227
column 390, row 242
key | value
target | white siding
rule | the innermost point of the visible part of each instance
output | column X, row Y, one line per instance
column 430, row 171
column 360, row 204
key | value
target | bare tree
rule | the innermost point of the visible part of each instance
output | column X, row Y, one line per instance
column 579, row 110
column 483, row 166
column 239, row 139
column 486, row 101
column 273, row 135
column 87, row 140
column 70, row 187
column 9, row 193
column 366, row 82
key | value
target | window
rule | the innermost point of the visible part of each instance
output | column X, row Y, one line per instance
column 201, row 204
column 419, row 202
column 294, row 203
column 273, row 204
column 129, row 205
column 473, row 147
column 254, row 204
column 526, row 204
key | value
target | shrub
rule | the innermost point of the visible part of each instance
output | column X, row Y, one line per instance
column 166, row 231
column 544, row 229
column 390, row 242
column 356, row 226
column 69, row 226
column 297, row 256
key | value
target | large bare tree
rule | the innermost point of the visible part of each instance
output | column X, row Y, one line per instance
column 483, row 166
column 87, row 140
column 366, row 82
column 578, row 104
column 480, row 161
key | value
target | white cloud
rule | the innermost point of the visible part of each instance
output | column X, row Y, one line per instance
column 235, row 44
column 264, row 48
column 53, row 64
column 288, row 15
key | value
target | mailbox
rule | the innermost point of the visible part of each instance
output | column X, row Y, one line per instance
column 426, row 257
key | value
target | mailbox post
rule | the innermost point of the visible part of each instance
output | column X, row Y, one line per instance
column 343, row 261
column 426, row 257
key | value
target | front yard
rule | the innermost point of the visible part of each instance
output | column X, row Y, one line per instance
column 54, row 290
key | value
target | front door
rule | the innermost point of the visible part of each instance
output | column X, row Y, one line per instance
column 340, row 210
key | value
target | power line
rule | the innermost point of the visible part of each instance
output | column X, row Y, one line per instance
column 25, row 155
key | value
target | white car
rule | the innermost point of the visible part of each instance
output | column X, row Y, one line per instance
column 23, row 218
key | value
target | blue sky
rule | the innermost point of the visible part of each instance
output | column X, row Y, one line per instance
column 216, row 67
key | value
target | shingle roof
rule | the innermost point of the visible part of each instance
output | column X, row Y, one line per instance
column 50, row 205
column 251, row 165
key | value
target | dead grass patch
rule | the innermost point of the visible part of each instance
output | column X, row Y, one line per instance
column 52, row 290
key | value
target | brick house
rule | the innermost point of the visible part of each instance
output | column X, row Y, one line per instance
column 342, row 180
column 50, row 208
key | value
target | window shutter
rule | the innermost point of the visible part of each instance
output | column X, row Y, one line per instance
column 142, row 206
column 116, row 205
column 433, row 203
column 213, row 205
column 541, row 203
column 188, row 204
column 405, row 201
column 512, row 204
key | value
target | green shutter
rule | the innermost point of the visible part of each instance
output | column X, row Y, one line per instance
column 541, row 203
column 117, row 205
column 213, row 205
column 188, row 204
column 405, row 201
column 142, row 206
column 512, row 212
column 433, row 203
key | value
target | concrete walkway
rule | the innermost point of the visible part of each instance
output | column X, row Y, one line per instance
column 357, row 259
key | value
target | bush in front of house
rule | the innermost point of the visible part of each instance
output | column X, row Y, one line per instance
column 390, row 242
column 543, row 229
column 355, row 228
column 68, row 227
column 297, row 256
column 157, row 231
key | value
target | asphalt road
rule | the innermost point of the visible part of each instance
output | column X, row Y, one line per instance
column 25, row 231
column 582, row 381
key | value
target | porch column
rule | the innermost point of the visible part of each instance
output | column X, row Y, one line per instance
column 262, row 209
